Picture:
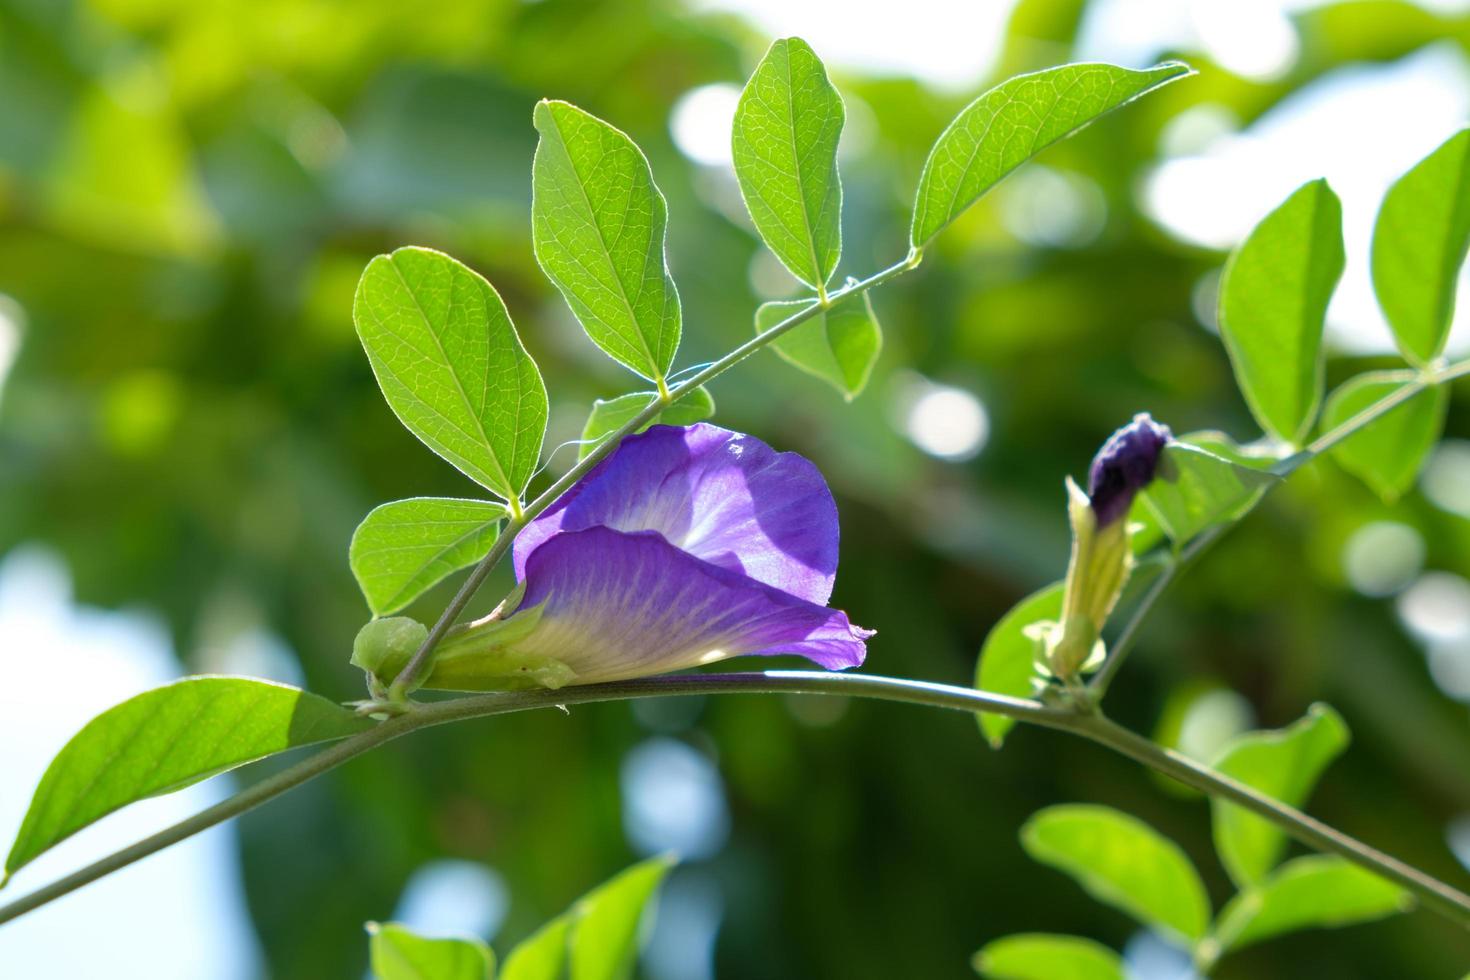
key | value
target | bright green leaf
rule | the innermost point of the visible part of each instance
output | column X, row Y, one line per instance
column 840, row 345
column 1124, row 862
column 1008, row 658
column 1047, row 956
column 610, row 415
column 1283, row 764
column 166, row 739
column 1316, row 891
column 451, row 365
column 784, row 145
column 398, row 954
column 597, row 222
column 1273, row 302
column 402, row 548
column 1419, row 245
column 1387, row 454
column 1193, row 489
column 1013, row 122
column 541, row 957
column 605, row 934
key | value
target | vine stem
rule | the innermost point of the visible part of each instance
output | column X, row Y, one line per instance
column 418, row 665
column 1435, row 894
column 1426, row 380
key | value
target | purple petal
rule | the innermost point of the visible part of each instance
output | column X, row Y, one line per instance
column 620, row 605
column 1125, row 465
column 721, row 496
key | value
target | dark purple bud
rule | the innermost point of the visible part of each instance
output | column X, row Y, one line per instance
column 1125, row 465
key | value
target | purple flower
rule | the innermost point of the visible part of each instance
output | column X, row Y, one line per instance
column 1125, row 465
column 684, row 547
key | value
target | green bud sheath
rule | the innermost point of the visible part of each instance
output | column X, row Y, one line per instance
column 1102, row 559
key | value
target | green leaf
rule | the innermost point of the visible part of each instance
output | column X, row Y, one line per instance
column 1316, row 891
column 840, row 345
column 784, row 145
column 1013, row 122
column 597, row 223
column 1388, row 453
column 1124, row 862
column 398, row 954
column 1273, row 302
column 1419, row 245
column 1047, row 956
column 609, row 416
column 401, row 549
column 451, row 365
column 1008, row 658
column 541, row 957
column 1283, row 764
column 1193, row 489
column 166, row 739
column 605, row 934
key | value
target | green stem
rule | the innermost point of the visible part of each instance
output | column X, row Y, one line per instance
column 1284, row 468
column 418, row 665
column 1435, row 894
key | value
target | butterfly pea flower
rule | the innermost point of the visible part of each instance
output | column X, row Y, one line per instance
column 1102, row 552
column 684, row 547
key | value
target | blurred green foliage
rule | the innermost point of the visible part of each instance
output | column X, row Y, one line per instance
column 188, row 194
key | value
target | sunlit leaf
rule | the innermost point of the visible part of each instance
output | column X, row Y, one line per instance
column 784, row 146
column 1014, row 121
column 1419, row 245
column 166, row 739
column 1124, row 862
column 1047, row 956
column 1283, row 764
column 1193, row 489
column 541, row 957
column 403, row 548
column 396, row 953
column 839, row 345
column 1008, row 658
column 1388, row 453
column 1273, row 302
column 451, row 365
column 605, row 934
column 1316, row 891
column 597, row 222
column 614, row 413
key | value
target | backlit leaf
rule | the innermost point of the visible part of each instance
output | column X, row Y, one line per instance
column 1316, row 891
column 451, row 365
column 1194, row 488
column 839, row 345
column 614, row 413
column 1388, row 453
column 1046, row 956
column 605, row 934
column 403, row 548
column 1008, row 658
column 543, row 956
column 396, row 953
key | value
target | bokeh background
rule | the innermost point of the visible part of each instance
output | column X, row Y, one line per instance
column 189, row 433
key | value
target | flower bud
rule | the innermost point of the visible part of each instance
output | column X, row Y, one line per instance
column 384, row 646
column 1125, row 465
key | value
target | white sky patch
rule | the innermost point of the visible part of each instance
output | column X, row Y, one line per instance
column 701, row 123
column 454, row 898
column 11, row 320
column 65, row 664
column 942, row 420
column 1361, row 127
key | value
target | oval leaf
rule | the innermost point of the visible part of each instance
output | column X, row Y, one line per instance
column 1013, row 122
column 541, row 957
column 1008, row 658
column 1283, row 764
column 1193, row 489
column 839, row 345
column 401, row 549
column 1046, row 956
column 1388, row 454
column 784, row 144
column 611, row 415
column 597, row 223
column 396, row 953
column 451, row 365
column 1273, row 302
column 605, row 934
column 1419, row 244
column 1124, row 862
column 1316, row 891
column 166, row 739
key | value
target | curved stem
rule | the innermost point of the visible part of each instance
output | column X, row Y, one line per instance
column 418, row 665
column 1435, row 894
